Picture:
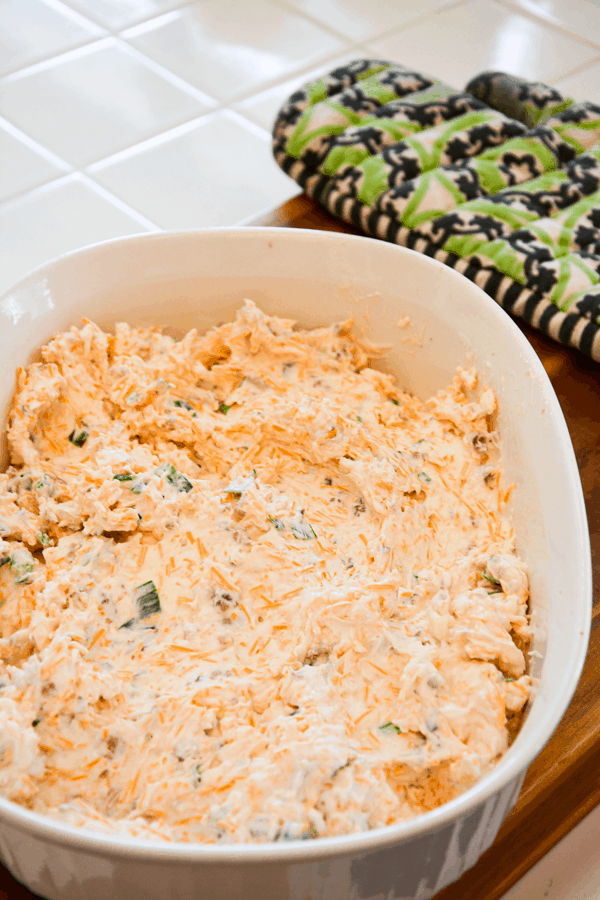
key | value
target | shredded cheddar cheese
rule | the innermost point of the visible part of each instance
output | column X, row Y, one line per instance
column 249, row 589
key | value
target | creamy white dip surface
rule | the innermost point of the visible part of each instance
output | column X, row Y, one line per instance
column 249, row 589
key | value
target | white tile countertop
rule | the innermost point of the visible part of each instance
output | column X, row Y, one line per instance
column 127, row 116
column 121, row 116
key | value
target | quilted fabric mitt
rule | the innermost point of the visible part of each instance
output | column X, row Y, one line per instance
column 500, row 181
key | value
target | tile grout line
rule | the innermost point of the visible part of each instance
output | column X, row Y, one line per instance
column 74, row 15
column 58, row 58
column 441, row 6
column 166, row 74
column 418, row 20
column 298, row 73
column 116, row 29
column 40, row 189
column 91, row 184
column 43, row 151
column 162, row 137
column 44, row 62
column 108, row 41
column 120, row 204
column 529, row 14
column 578, row 69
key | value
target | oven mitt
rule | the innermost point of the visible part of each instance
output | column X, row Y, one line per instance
column 500, row 181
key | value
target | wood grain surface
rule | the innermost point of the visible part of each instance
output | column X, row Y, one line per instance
column 563, row 783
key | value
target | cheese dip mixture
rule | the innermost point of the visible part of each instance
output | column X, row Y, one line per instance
column 251, row 590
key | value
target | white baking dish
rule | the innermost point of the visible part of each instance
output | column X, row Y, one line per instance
column 198, row 279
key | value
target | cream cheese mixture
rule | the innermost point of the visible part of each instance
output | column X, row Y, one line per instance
column 250, row 590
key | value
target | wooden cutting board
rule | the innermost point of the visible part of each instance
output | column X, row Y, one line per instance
column 563, row 784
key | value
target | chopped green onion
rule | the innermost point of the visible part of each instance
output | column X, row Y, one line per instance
column 303, row 532
column 43, row 538
column 239, row 485
column 23, row 571
column 177, row 479
column 147, row 599
column 4, row 560
column 223, row 408
column 489, row 577
column 509, row 679
column 123, row 476
column 128, row 624
column 43, row 483
column 390, row 728
column 312, row 832
column 35, row 723
column 424, row 477
column 198, row 776
column 395, row 402
column 78, row 437
column 277, row 523
column 358, row 419
column 183, row 404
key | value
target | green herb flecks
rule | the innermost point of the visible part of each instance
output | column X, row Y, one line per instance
column 489, row 578
column 224, row 408
column 4, row 560
column 358, row 419
column 395, row 402
column 43, row 538
column 509, row 679
column 23, row 572
column 198, row 774
column 240, row 485
column 183, row 404
column 124, row 476
column 35, row 723
column 175, row 478
column 78, row 437
column 277, row 523
column 128, row 624
column 390, row 728
column 424, row 477
column 147, row 599
column 311, row 833
column 303, row 532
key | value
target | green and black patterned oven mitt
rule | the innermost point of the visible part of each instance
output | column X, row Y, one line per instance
column 500, row 181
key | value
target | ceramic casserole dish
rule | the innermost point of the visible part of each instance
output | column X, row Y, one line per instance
column 181, row 280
